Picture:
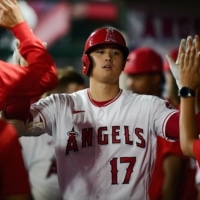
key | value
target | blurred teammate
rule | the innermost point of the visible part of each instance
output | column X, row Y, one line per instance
column 170, row 180
column 105, row 137
column 70, row 80
column 14, row 183
column 144, row 72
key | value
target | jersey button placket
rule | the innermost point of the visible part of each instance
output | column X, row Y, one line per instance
column 101, row 121
column 101, row 114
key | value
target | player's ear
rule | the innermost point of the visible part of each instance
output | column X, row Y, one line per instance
column 86, row 64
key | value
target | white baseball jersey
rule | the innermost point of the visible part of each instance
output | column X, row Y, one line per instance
column 39, row 157
column 104, row 152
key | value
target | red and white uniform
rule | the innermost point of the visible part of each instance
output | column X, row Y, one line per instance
column 103, row 152
column 39, row 157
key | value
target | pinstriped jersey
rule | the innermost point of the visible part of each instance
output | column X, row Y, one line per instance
column 104, row 152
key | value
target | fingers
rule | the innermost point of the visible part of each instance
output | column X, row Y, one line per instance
column 190, row 63
column 45, row 45
column 5, row 5
column 188, row 56
column 17, row 43
column 197, row 43
column 11, row 14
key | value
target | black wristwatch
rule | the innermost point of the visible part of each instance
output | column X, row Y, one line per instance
column 186, row 92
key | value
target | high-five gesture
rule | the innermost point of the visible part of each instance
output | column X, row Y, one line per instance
column 10, row 13
column 190, row 80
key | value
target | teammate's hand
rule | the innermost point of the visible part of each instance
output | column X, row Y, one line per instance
column 10, row 13
column 190, row 64
column 17, row 58
column 174, row 66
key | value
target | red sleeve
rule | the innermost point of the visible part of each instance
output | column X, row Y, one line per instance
column 196, row 150
column 14, row 176
column 172, row 126
column 173, row 148
column 32, row 81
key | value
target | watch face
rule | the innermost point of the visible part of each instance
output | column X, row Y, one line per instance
column 186, row 92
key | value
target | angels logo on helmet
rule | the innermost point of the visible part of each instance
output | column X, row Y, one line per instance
column 110, row 37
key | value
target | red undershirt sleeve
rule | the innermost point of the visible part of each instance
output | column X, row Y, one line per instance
column 172, row 127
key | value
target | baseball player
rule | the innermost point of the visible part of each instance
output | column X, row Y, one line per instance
column 173, row 174
column 105, row 137
column 40, row 75
column 144, row 72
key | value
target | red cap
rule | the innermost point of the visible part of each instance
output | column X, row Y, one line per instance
column 143, row 60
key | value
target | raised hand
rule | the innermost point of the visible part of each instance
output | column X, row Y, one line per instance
column 189, row 59
column 10, row 13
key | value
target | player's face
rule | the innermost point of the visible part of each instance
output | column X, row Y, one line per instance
column 108, row 63
column 141, row 83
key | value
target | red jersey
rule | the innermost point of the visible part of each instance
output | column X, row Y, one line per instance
column 13, row 175
column 187, row 188
column 196, row 150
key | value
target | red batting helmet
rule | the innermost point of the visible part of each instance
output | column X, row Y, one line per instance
column 173, row 54
column 106, row 35
column 143, row 60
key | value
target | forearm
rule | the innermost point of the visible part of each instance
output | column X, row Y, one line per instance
column 188, row 125
column 20, row 116
column 37, row 57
